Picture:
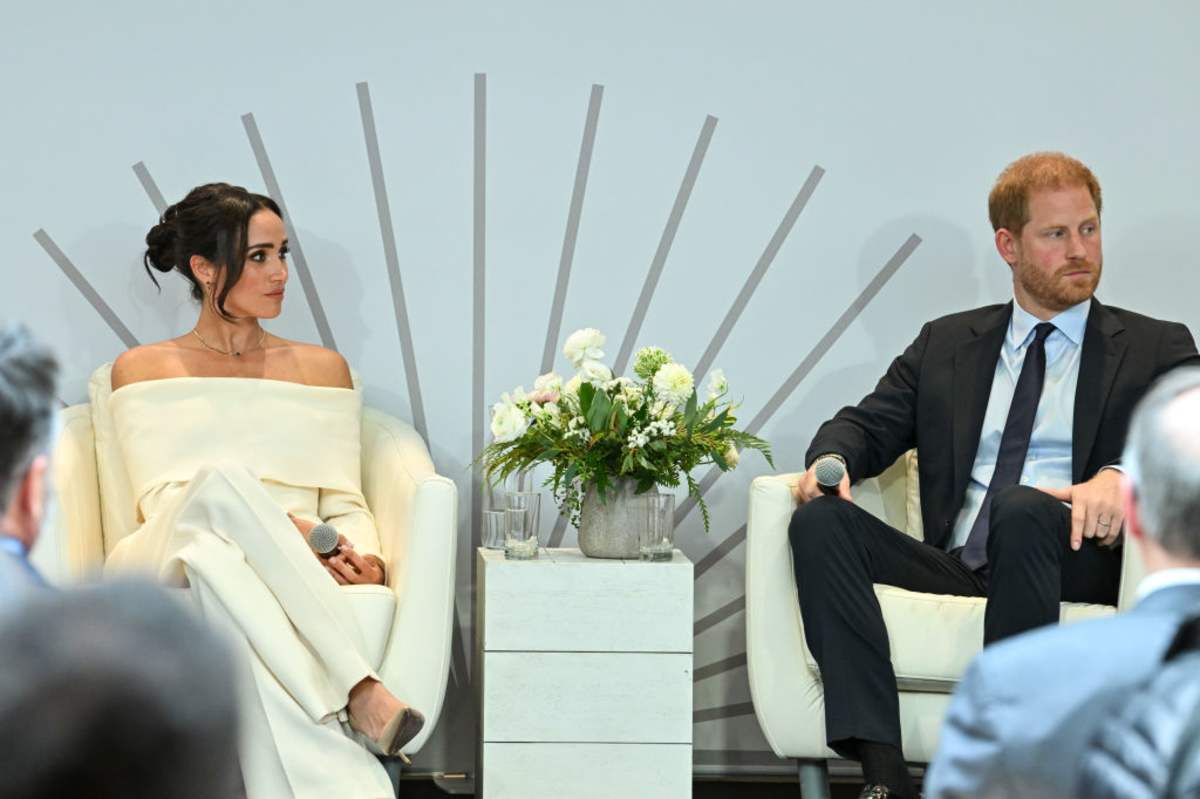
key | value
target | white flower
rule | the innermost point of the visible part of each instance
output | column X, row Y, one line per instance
column 584, row 345
column 517, row 397
column 572, row 386
column 732, row 456
column 594, row 372
column 673, row 382
column 663, row 409
column 550, row 409
column 717, row 385
column 508, row 422
column 647, row 361
column 547, row 388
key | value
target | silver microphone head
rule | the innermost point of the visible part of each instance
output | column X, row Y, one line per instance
column 829, row 471
column 323, row 539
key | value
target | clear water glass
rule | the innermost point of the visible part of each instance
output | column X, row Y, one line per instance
column 492, row 534
column 656, row 536
column 531, row 503
column 520, row 539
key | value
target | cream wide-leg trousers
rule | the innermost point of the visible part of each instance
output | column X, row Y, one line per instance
column 252, row 575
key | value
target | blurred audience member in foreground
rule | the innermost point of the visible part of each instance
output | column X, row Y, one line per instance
column 115, row 691
column 1029, row 708
column 28, row 375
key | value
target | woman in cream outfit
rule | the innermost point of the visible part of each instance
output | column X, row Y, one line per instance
column 237, row 443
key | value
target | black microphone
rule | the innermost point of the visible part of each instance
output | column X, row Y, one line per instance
column 324, row 540
column 829, row 471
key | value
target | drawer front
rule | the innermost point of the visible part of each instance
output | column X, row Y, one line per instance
column 565, row 602
column 586, row 771
column 605, row 697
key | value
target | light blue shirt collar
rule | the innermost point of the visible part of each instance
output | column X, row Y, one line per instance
column 1070, row 323
column 13, row 546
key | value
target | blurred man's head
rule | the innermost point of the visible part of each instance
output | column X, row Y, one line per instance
column 1162, row 465
column 115, row 691
column 28, row 404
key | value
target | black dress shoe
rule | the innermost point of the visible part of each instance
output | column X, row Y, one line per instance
column 875, row 792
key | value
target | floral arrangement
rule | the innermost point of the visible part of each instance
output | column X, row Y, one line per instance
column 596, row 428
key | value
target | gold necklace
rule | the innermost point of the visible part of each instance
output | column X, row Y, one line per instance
column 235, row 354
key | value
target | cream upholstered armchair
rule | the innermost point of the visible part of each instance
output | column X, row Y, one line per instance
column 407, row 623
column 932, row 637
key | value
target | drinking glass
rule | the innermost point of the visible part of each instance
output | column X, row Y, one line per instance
column 656, row 533
column 520, row 540
column 492, row 534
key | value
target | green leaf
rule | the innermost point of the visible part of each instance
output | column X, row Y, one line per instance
column 716, row 423
column 586, row 392
column 597, row 414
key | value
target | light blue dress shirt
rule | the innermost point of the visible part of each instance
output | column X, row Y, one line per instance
column 1048, row 461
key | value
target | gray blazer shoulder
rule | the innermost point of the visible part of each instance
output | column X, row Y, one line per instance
column 1011, row 704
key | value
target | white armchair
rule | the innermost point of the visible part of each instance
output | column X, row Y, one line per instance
column 932, row 637
column 407, row 624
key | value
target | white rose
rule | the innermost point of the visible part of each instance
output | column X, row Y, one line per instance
column 673, row 383
column 732, row 456
column 717, row 385
column 572, row 386
column 518, row 395
column 584, row 345
column 508, row 422
column 595, row 372
column 549, row 382
column 550, row 409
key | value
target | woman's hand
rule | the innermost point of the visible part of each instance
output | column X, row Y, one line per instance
column 350, row 568
column 346, row 566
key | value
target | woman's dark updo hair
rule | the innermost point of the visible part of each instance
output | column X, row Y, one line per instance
column 211, row 221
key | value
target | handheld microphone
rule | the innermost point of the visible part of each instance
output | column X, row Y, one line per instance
column 829, row 471
column 324, row 540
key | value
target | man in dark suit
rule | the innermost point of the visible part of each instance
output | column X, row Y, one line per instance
column 1023, row 716
column 1000, row 402
column 28, row 373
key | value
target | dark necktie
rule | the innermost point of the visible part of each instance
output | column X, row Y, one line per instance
column 1014, row 443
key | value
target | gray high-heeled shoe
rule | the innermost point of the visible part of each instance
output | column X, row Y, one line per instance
column 403, row 727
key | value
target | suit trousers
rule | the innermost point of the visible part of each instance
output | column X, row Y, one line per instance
column 840, row 550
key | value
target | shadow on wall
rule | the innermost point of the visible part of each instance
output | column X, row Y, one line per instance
column 940, row 278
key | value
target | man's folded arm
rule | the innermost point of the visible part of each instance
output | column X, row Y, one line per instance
column 882, row 426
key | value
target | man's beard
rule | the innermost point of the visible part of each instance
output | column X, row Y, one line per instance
column 1054, row 291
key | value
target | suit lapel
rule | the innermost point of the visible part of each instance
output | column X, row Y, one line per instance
column 974, row 370
column 1102, row 353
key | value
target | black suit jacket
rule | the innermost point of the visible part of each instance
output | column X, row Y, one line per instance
column 934, row 397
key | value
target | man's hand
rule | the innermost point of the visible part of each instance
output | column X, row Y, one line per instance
column 807, row 488
column 1095, row 508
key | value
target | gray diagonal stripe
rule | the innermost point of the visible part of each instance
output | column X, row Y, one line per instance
column 298, row 260
column 156, row 196
column 760, row 269
column 736, row 539
column 720, row 667
column 664, row 244
column 85, row 288
column 652, row 276
column 392, row 259
column 576, row 209
column 478, row 332
column 812, row 359
column 719, row 615
column 726, row 712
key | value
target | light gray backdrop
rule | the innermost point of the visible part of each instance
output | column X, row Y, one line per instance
column 909, row 110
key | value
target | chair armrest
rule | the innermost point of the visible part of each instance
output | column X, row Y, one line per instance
column 416, row 513
column 71, row 543
column 1132, row 572
column 779, row 680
